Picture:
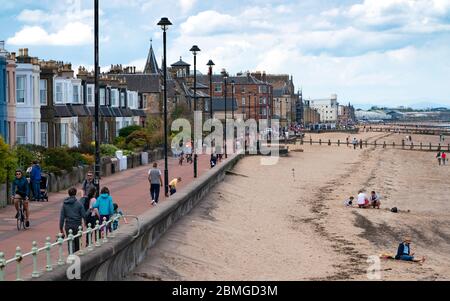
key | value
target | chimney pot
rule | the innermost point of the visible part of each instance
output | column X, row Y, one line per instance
column 25, row 52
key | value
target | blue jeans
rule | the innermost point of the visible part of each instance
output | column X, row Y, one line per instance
column 36, row 186
column 406, row 258
column 154, row 192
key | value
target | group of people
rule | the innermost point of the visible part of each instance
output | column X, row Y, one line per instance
column 364, row 201
column 90, row 209
column 442, row 158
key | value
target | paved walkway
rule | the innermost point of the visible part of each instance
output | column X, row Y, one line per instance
column 130, row 189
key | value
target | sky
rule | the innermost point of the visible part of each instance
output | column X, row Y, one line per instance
column 380, row 52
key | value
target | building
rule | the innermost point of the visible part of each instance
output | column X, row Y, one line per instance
column 299, row 109
column 285, row 98
column 219, row 108
column 3, row 99
column 11, row 98
column 310, row 115
column 28, row 113
column 346, row 115
column 376, row 115
column 327, row 108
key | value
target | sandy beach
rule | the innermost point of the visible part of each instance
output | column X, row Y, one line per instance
column 289, row 222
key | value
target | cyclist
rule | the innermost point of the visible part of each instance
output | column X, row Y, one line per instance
column 21, row 191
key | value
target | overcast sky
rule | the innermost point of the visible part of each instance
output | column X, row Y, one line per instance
column 384, row 52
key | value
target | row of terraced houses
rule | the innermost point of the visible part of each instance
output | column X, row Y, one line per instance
column 43, row 102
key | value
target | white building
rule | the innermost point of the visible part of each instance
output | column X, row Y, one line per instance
column 328, row 108
column 372, row 115
column 28, row 107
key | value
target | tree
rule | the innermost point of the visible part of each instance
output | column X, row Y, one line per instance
column 8, row 162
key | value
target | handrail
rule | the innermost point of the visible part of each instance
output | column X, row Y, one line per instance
column 105, row 227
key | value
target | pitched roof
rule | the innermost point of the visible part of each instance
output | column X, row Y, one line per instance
column 180, row 63
column 151, row 67
column 143, row 83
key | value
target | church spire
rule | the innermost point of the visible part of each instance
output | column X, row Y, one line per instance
column 151, row 67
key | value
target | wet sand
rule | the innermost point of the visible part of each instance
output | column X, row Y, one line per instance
column 273, row 223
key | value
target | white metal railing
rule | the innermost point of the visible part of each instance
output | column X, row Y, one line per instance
column 101, row 237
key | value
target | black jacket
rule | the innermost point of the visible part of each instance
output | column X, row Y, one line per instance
column 401, row 250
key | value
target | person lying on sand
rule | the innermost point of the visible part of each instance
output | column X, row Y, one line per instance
column 404, row 252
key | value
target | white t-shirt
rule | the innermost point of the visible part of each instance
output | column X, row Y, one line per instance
column 362, row 198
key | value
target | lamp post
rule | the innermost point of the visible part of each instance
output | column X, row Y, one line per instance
column 233, row 85
column 210, row 65
column 194, row 51
column 97, row 98
column 165, row 23
column 225, row 78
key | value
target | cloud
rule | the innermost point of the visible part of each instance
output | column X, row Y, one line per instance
column 72, row 34
column 209, row 22
column 187, row 5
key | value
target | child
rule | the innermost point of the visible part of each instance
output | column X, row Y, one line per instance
column 349, row 202
column 118, row 212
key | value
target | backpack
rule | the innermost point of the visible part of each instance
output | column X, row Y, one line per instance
column 394, row 210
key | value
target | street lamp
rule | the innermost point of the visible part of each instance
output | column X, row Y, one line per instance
column 232, row 111
column 225, row 78
column 97, row 99
column 210, row 65
column 165, row 23
column 194, row 51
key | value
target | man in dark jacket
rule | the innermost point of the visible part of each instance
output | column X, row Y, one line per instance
column 21, row 190
column 35, row 179
column 72, row 214
column 88, row 183
column 404, row 252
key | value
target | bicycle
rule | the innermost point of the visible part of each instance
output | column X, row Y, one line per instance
column 20, row 215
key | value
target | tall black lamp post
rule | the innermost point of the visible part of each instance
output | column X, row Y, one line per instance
column 225, row 78
column 165, row 23
column 210, row 65
column 194, row 51
column 97, row 99
column 233, row 85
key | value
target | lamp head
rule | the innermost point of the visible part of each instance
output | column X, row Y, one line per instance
column 195, row 50
column 164, row 23
column 210, row 63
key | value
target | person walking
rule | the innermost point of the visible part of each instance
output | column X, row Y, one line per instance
column 156, row 182
column 88, row 183
column 105, row 205
column 35, row 179
column 354, row 142
column 439, row 158
column 444, row 158
column 71, row 217
column 92, row 214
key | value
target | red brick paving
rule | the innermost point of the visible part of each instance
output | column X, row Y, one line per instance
column 130, row 189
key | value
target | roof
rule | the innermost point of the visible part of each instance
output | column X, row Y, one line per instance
column 239, row 80
column 190, row 92
column 180, row 63
column 139, row 113
column 143, row 83
column 151, row 67
column 219, row 104
column 62, row 111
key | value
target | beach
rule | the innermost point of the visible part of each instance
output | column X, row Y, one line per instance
column 289, row 222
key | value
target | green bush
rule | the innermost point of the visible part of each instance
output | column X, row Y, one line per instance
column 128, row 153
column 59, row 158
column 120, row 142
column 24, row 156
column 108, row 150
column 7, row 160
column 79, row 158
column 53, row 169
column 83, row 149
column 125, row 132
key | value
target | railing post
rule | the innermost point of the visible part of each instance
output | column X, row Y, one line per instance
column 70, row 242
column 329, row 142
column 439, row 147
column 60, row 247
column 105, row 228
column 18, row 261
column 80, row 240
column 320, row 141
column 339, row 142
column 35, row 252
column 420, row 145
column 365, row 142
column 97, row 234
column 89, row 234
column 375, row 143
column 2, row 266
column 403, row 144
column 393, row 144
column 48, row 247
column 412, row 145
column 430, row 145
column 384, row 144
column 310, row 141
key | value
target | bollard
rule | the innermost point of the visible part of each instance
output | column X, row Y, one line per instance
column 320, row 141
column 310, row 141
column 375, row 143
column 301, row 141
column 430, row 145
column 384, row 144
column 329, row 142
column 89, row 234
column 80, row 240
column 360, row 144
column 393, row 144
column 403, row 144
column 97, row 234
column 60, row 243
column 70, row 242
column 339, row 142
column 420, row 145
column 105, row 228
column 365, row 143
column 48, row 247
column 18, row 261
column 2, row 266
column 35, row 252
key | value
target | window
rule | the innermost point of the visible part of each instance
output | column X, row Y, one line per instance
column 218, row 88
column 102, row 97
column 59, row 93
column 43, row 91
column 76, row 94
column 64, row 134
column 90, row 96
column 113, row 98
column 7, row 86
column 20, row 89
column 44, row 134
column 106, row 132
column 117, row 128
column 21, row 133
column 122, row 99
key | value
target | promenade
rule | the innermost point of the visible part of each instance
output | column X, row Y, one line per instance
column 130, row 189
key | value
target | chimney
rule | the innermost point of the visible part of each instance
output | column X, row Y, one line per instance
column 264, row 77
column 134, row 70
column 20, row 52
column 25, row 52
column 2, row 45
column 258, row 75
column 13, row 56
